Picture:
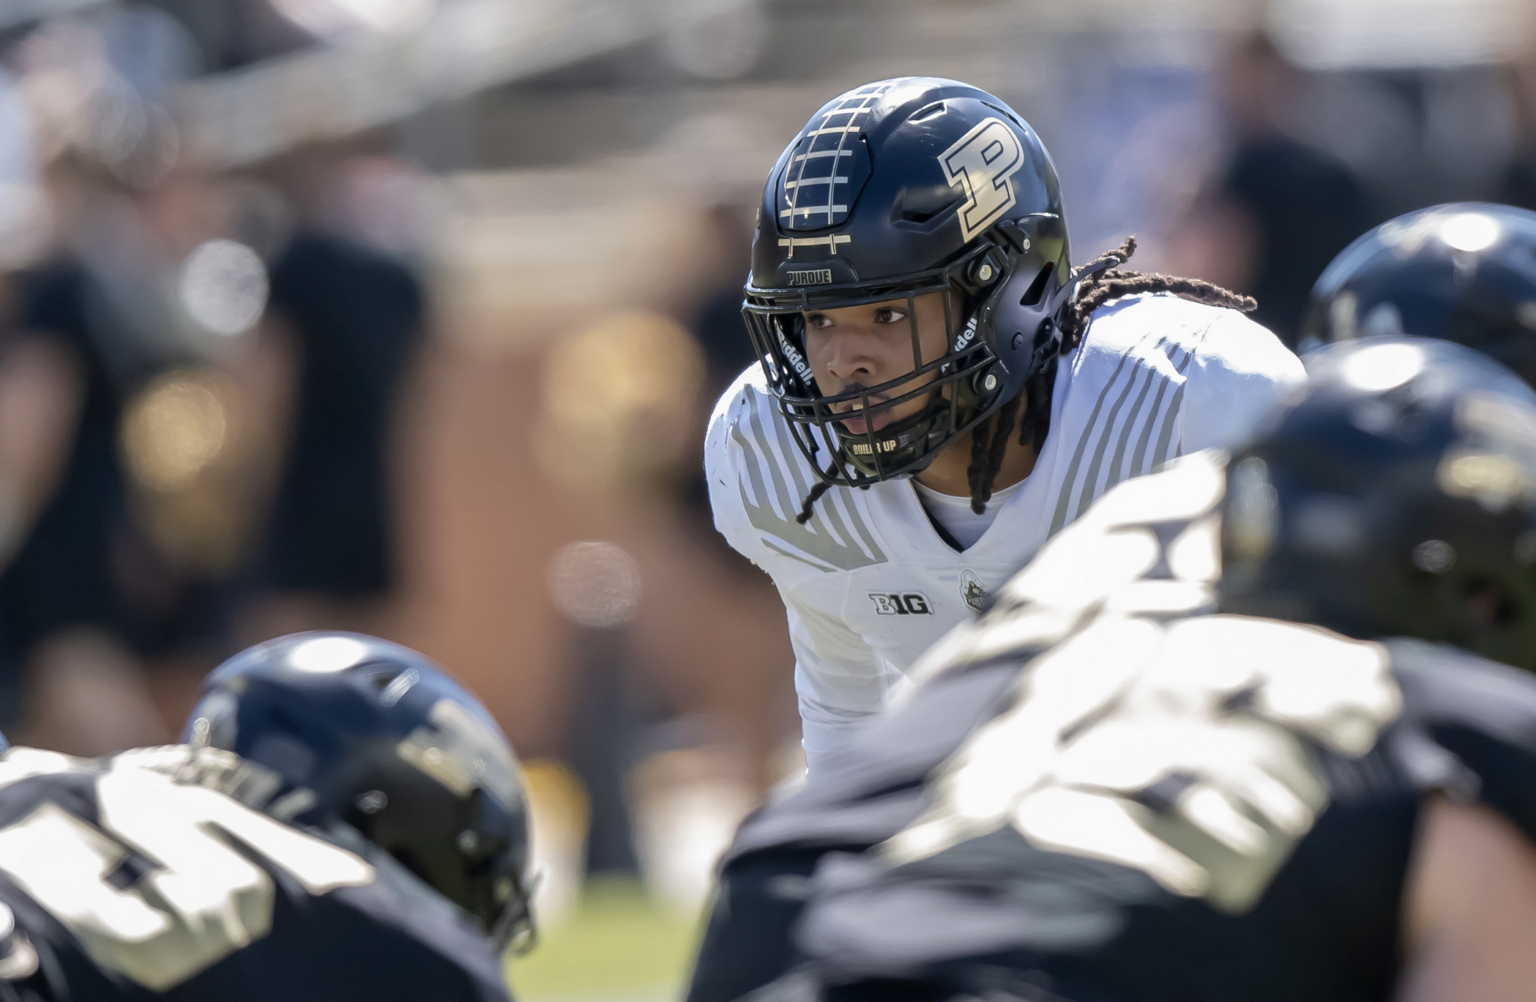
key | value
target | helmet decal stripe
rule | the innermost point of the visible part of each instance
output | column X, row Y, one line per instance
column 842, row 122
column 831, row 240
column 982, row 162
column 807, row 210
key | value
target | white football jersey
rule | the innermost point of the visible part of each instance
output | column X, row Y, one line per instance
column 868, row 584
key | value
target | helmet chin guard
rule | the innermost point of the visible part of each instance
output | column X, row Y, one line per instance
column 893, row 191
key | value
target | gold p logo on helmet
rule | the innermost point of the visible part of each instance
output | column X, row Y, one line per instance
column 982, row 161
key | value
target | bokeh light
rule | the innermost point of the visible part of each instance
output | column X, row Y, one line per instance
column 618, row 398
column 224, row 287
column 722, row 47
column 174, row 430
column 595, row 584
column 136, row 140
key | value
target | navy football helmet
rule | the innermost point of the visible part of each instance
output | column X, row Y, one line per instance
column 372, row 735
column 1465, row 272
column 895, row 190
column 1396, row 496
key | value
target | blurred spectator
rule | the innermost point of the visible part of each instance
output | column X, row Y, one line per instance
column 94, row 587
column 127, row 444
column 352, row 315
column 1519, row 183
column 23, row 222
column 1279, row 210
column 727, row 352
column 720, row 329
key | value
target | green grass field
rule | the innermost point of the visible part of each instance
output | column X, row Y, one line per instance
column 617, row 947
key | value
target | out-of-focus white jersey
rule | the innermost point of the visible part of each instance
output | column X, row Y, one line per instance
column 868, row 584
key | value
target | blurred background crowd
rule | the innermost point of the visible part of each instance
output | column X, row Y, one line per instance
column 406, row 316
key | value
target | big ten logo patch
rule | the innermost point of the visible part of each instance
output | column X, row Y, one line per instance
column 912, row 603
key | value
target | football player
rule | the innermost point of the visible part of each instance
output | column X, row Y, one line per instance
column 343, row 821
column 1464, row 271
column 1108, row 790
column 924, row 338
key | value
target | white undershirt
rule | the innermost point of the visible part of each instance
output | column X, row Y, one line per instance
column 955, row 514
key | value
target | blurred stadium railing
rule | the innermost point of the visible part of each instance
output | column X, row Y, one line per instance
column 252, row 113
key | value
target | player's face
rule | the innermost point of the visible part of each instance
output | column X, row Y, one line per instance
column 861, row 346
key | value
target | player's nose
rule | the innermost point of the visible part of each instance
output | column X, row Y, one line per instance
column 847, row 359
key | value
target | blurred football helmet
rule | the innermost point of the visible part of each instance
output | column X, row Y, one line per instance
column 373, row 735
column 1465, row 272
column 1395, row 497
column 892, row 191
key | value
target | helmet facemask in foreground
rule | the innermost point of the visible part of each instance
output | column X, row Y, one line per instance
column 369, row 735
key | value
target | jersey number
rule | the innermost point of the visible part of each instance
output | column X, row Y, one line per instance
column 198, row 899
column 1184, row 751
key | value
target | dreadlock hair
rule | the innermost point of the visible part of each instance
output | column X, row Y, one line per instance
column 989, row 443
column 819, row 488
column 1104, row 287
column 1100, row 286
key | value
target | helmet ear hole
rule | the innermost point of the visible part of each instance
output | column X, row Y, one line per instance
column 1036, row 289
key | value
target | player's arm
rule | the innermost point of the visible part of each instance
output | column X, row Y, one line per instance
column 1238, row 373
column 838, row 679
column 724, row 473
column 1469, row 908
column 839, row 682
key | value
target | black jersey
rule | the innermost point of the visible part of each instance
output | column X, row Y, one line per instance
column 1104, row 791
column 143, row 876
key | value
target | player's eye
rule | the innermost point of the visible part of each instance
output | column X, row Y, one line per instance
column 820, row 321
column 890, row 315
